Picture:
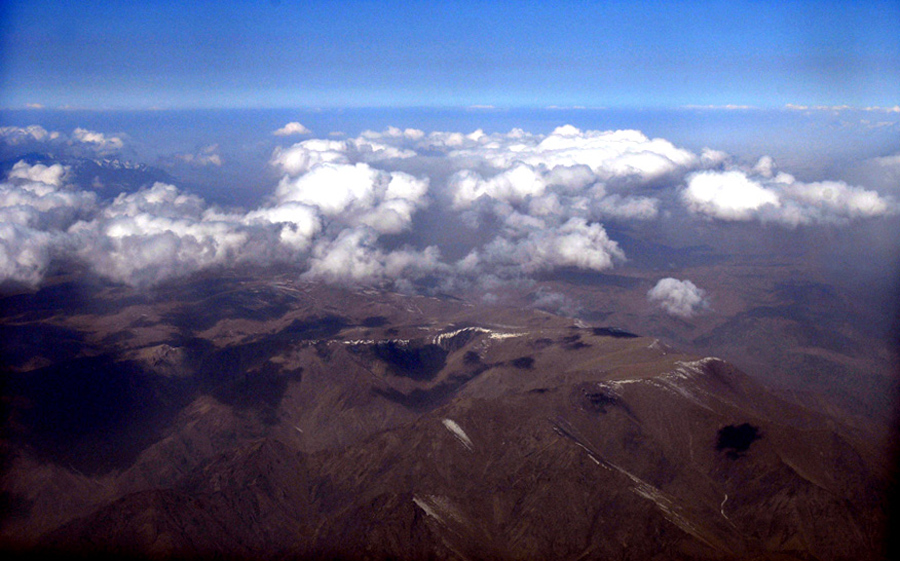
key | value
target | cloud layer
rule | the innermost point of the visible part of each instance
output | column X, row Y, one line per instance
column 491, row 206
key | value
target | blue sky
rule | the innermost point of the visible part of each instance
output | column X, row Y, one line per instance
column 454, row 54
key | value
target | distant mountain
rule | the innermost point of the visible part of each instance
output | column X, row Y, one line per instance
column 271, row 419
column 107, row 176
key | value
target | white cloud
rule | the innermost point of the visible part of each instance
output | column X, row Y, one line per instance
column 512, row 186
column 40, row 173
column 35, row 197
column 25, row 253
column 679, row 298
column 357, row 194
column 729, row 195
column 394, row 133
column 767, row 195
column 292, row 128
column 31, row 133
column 710, row 158
column 354, row 256
column 156, row 234
column 301, row 157
column 609, row 154
column 98, row 140
column 298, row 223
column 36, row 208
column 537, row 247
column 514, row 204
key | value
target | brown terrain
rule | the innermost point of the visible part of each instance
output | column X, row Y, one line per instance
column 243, row 417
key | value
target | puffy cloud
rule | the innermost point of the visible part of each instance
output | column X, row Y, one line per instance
column 25, row 253
column 156, row 234
column 31, row 133
column 606, row 155
column 679, row 298
column 537, row 247
column 298, row 223
column 768, row 195
column 511, row 186
column 609, row 154
column 292, row 128
column 518, row 203
column 36, row 208
column 729, row 195
column 98, row 140
column 146, row 249
column 322, row 174
column 355, row 256
column 556, row 302
column 711, row 158
column 40, row 173
column 34, row 196
column 304, row 156
column 370, row 151
column 357, row 194
column 566, row 174
column 301, row 157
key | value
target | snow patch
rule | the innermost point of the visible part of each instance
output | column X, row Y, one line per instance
column 722, row 508
column 438, row 339
column 457, row 431
column 498, row 335
column 428, row 510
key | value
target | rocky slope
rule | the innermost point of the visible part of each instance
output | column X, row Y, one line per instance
column 260, row 419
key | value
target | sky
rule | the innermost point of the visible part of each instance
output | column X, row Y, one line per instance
column 235, row 54
column 534, row 128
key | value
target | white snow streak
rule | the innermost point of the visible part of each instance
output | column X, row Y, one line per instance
column 458, row 432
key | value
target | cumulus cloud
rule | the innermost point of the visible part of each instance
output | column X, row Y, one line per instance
column 569, row 173
column 51, row 175
column 292, row 128
column 36, row 208
column 31, row 133
column 765, row 194
column 512, row 185
column 81, row 142
column 608, row 154
column 496, row 207
column 155, row 234
column 729, row 195
column 24, row 253
column 357, row 194
column 679, row 298
column 98, row 140
column 355, row 256
column 328, row 176
column 301, row 157
column 327, row 213
column 530, row 246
